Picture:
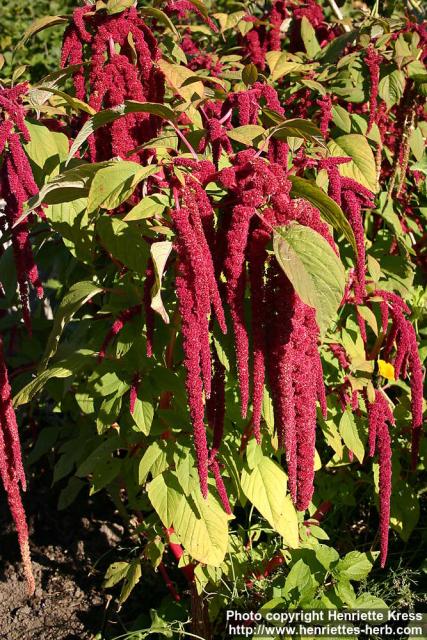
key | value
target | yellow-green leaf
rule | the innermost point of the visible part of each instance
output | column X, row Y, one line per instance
column 329, row 210
column 117, row 6
column 176, row 76
column 279, row 64
column 265, row 486
column 313, row 268
column 248, row 134
column 350, row 434
column 362, row 166
column 114, row 184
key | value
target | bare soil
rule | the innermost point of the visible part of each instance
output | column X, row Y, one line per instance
column 70, row 552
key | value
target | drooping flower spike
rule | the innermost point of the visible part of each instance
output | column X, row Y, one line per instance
column 11, row 469
column 117, row 72
column 401, row 338
column 17, row 185
column 379, row 417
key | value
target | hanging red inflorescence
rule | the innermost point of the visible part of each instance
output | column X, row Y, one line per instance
column 372, row 61
column 112, row 42
column 11, row 469
column 16, row 187
column 379, row 417
column 402, row 338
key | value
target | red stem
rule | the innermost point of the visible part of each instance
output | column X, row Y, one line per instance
column 168, row 582
column 178, row 552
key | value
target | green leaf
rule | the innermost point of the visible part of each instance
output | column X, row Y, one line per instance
column 160, row 252
column 417, row 144
column 67, row 186
column 341, row 118
column 153, row 454
column 63, row 369
column 368, row 601
column 265, row 487
column 327, row 556
column 148, row 207
column 200, row 525
column 76, row 297
column 249, row 74
column 38, row 25
column 70, row 492
column 104, row 473
column 362, row 166
column 267, row 410
column 329, row 210
column 143, row 413
column 109, row 115
column 164, row 493
column 121, row 241
column 35, row 386
column 117, row 6
column 71, row 221
column 113, row 185
column 391, row 87
column 279, row 64
column 315, row 271
column 176, row 76
column 249, row 134
column 132, row 578
column 346, row 593
column 46, row 149
column 229, row 20
column 308, row 36
column 102, row 452
column 253, row 453
column 201, row 7
column 299, row 583
column 184, row 467
column 355, row 565
column 405, row 509
column 115, row 573
column 350, row 434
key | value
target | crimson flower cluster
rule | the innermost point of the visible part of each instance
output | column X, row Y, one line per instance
column 279, row 346
column 16, row 187
column 111, row 43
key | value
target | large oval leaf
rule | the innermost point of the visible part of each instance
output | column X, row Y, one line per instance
column 46, row 149
column 265, row 487
column 200, row 525
column 362, row 166
column 123, row 242
column 313, row 268
column 114, row 184
column 176, row 76
column 329, row 210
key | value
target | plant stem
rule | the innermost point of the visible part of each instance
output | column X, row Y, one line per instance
column 335, row 8
column 184, row 140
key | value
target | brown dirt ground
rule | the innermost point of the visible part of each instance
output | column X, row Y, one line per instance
column 69, row 602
